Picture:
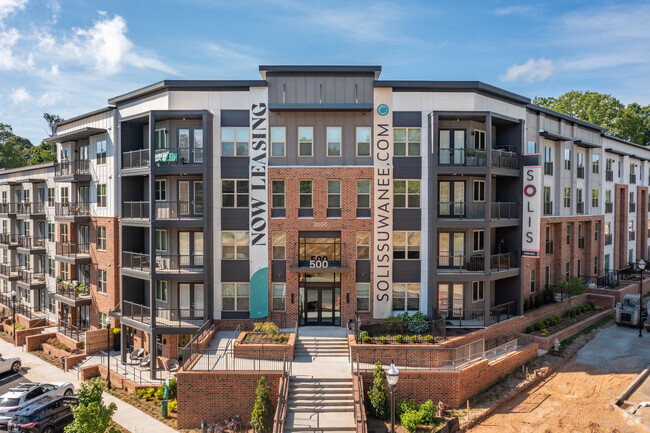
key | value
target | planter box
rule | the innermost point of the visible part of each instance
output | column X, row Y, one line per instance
column 547, row 342
column 271, row 351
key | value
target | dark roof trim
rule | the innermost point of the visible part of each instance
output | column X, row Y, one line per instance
column 629, row 143
column 195, row 85
column 26, row 168
column 566, row 117
column 586, row 144
column 617, row 152
column 453, row 86
column 324, row 107
column 83, row 116
column 553, row 136
column 77, row 134
column 320, row 69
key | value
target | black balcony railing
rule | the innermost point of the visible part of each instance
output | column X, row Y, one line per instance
column 505, row 210
column 179, row 263
column 72, row 209
column 632, row 178
column 32, row 277
column 462, row 157
column 609, row 175
column 581, row 242
column 549, row 247
column 76, row 332
column 167, row 317
column 137, row 312
column 31, row 242
column 30, row 208
column 632, row 207
column 72, row 250
column 503, row 159
column 72, row 291
column 178, row 156
column 548, row 168
column 178, row 209
column 135, row 209
column 608, row 239
column 461, row 210
column 504, row 262
column 580, row 207
column 8, row 207
column 8, row 239
column 8, row 270
column 457, row 263
column 609, row 207
column 581, row 172
column 503, row 312
column 136, row 261
column 548, row 208
column 632, row 236
column 532, row 159
column 69, row 168
column 135, row 159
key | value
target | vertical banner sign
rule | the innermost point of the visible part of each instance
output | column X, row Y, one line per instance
column 258, row 217
column 383, row 202
column 532, row 210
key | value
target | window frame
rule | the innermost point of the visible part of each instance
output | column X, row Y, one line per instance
column 159, row 238
column 407, row 142
column 340, row 142
column 406, row 296
column 480, row 239
column 235, row 296
column 102, row 282
column 310, row 194
column 408, row 194
column 277, row 235
column 311, row 142
column 102, row 195
column 357, row 142
column 235, row 194
column 101, row 153
column 274, row 194
column 235, row 134
column 364, row 194
column 283, row 142
column 101, row 240
column 162, row 291
column 236, row 235
column 275, row 297
column 480, row 191
column 360, row 244
column 334, row 195
column 51, row 197
column 408, row 248
column 478, row 287
column 358, row 298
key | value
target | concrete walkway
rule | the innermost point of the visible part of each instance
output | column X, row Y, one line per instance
column 38, row 370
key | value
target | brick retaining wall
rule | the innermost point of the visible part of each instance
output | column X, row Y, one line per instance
column 547, row 342
column 618, row 294
column 117, row 380
column 276, row 352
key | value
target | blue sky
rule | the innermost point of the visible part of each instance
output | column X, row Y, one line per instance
column 69, row 56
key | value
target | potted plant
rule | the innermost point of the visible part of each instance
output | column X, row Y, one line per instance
column 79, row 289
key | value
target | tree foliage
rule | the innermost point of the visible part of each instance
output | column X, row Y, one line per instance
column 42, row 153
column 52, row 120
column 378, row 394
column 631, row 122
column 91, row 415
column 262, row 416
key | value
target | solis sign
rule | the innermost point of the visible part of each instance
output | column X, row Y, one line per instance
column 532, row 210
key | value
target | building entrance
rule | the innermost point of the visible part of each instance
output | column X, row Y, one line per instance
column 320, row 299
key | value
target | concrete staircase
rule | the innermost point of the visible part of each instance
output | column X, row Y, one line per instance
column 321, row 346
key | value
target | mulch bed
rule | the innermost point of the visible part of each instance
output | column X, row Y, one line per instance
column 7, row 337
column 147, row 406
column 55, row 361
column 254, row 338
column 566, row 322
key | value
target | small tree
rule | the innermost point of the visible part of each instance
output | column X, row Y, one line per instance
column 571, row 287
column 262, row 416
column 91, row 415
column 378, row 394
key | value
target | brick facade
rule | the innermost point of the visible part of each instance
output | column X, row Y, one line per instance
column 107, row 260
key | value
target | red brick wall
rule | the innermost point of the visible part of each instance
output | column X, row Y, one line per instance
column 217, row 395
column 107, row 260
column 642, row 223
column 547, row 342
column 621, row 201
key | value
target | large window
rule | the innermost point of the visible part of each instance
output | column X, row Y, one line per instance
column 234, row 193
column 161, row 240
column 277, row 194
column 477, row 291
column 363, row 141
column 235, row 296
column 279, row 297
column 479, row 190
column 101, row 152
column 363, row 194
column 234, row 245
column 161, row 291
column 479, row 139
column 64, row 195
column 51, row 267
column 334, row 194
column 306, row 190
column 101, row 238
column 363, row 245
column 333, row 141
column 406, row 245
column 160, row 139
column 50, row 197
column 479, row 240
column 161, row 190
column 406, row 141
column 595, row 163
column 406, row 193
column 234, row 141
column 328, row 249
column 406, row 296
column 278, row 140
column 51, row 232
column 305, row 141
column 101, row 280
column 101, row 195
column 278, row 250
column 363, row 296
column 63, row 232
column 567, row 196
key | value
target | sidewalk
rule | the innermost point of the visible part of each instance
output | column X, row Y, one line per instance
column 127, row 416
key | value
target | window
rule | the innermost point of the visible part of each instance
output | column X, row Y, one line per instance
column 567, row 159
column 306, row 190
column 606, row 263
column 608, row 196
column 532, row 147
column 406, row 245
column 234, row 141
column 278, row 301
column 4, row 196
column 363, row 245
column 161, row 291
column 278, row 140
column 64, row 271
column 547, row 276
column 547, row 194
column 406, row 296
column 51, row 232
column 64, row 195
column 479, row 139
column 161, row 240
column 101, row 280
column 101, row 152
column 160, row 139
column 277, row 194
column 632, row 168
column 568, row 234
column 363, row 296
column 406, row 193
column 26, row 195
column 567, row 196
column 479, row 190
column 101, row 320
column 608, row 164
column 50, row 197
column 363, row 141
column 51, row 268
column 596, row 265
column 305, row 141
column 334, row 194
column 632, row 198
column 235, row 296
column 101, row 238
column 630, row 256
column 479, row 238
column 406, row 141
column 234, row 245
column 101, row 195
column 532, row 280
column 279, row 242
column 477, row 291
column 161, row 190
column 234, row 193
column 567, row 270
column 596, row 230
column 333, row 141
column 595, row 163
column 594, row 198
column 363, row 194
column 547, row 154
column 63, row 232
column 579, row 267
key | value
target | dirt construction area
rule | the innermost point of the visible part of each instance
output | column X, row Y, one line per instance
column 577, row 397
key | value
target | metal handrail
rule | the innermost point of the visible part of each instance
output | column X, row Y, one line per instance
column 135, row 209
column 74, row 166
column 135, row 158
column 462, row 156
column 360, row 418
column 37, row 207
column 178, row 155
column 138, row 261
column 31, row 241
column 72, row 250
column 178, row 209
column 178, row 262
column 69, row 208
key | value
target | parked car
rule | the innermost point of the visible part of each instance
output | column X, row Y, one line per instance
column 11, row 363
column 26, row 394
column 48, row 415
column 628, row 311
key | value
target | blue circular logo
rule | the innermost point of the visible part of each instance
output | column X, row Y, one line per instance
column 382, row 109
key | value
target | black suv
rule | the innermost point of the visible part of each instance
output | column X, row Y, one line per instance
column 48, row 415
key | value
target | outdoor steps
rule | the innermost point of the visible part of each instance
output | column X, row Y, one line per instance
column 320, row 405
column 322, row 347
column 319, row 429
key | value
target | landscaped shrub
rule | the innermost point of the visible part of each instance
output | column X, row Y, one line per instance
column 269, row 328
column 411, row 420
column 404, row 406
column 173, row 406
column 529, row 330
column 263, row 411
column 383, row 340
column 428, row 413
column 399, row 339
column 429, row 339
column 366, row 340
column 414, row 339
column 378, row 394
column 417, row 322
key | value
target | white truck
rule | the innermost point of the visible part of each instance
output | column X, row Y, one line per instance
column 628, row 311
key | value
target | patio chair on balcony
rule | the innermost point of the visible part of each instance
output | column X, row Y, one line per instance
column 161, row 263
column 172, row 365
column 136, row 355
column 145, row 362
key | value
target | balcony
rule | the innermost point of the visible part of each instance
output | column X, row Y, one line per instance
column 548, row 208
column 549, row 247
column 75, row 332
column 32, row 280
column 136, row 261
column 632, row 236
column 9, row 240
column 72, row 211
column 10, row 272
column 532, row 159
column 633, row 178
column 609, row 175
column 580, row 208
column 135, row 209
column 504, row 159
column 32, row 244
column 608, row 239
column 504, row 262
column 474, row 263
column 581, row 172
column 632, row 207
column 462, row 157
column 31, row 210
column 505, row 210
column 461, row 210
column 176, row 210
column 8, row 209
column 609, row 207
column 77, row 170
column 73, row 294
column 73, row 253
column 581, row 242
column 548, row 168
column 165, row 317
column 178, row 156
column 135, row 159
column 175, row 263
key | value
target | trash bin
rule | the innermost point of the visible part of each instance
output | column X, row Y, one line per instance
column 163, row 408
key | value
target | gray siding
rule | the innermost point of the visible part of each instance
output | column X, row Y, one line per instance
column 321, row 89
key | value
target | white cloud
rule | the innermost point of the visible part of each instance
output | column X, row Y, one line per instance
column 7, row 7
column 233, row 55
column 532, row 71
column 20, row 96
column 8, row 40
column 513, row 10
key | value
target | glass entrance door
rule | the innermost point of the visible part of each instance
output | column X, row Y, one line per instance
column 312, row 307
column 322, row 306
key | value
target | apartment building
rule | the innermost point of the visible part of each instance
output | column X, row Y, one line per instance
column 316, row 195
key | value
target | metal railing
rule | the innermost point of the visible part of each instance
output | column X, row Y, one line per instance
column 72, row 331
column 632, row 178
column 283, row 396
column 75, row 166
column 32, row 277
column 135, row 311
column 504, row 159
column 549, row 247
column 548, row 168
column 360, row 408
column 462, row 317
column 66, row 209
column 135, row 209
column 191, row 348
column 180, row 317
column 609, row 207
column 580, row 207
column 30, row 208
column 179, row 263
column 435, row 328
column 31, row 242
column 609, row 239
column 581, row 242
column 632, row 207
column 581, row 172
column 504, row 210
column 532, row 159
column 461, row 263
column 73, row 292
column 548, row 208
column 609, row 175
column 504, row 262
column 8, row 270
column 503, row 312
column 135, row 158
column 262, row 359
column 7, row 207
column 72, row 250
column 178, row 156
column 8, row 239
column 461, row 210
column 178, row 209
column 462, row 157
column 136, row 261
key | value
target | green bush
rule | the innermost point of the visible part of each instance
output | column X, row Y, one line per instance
column 173, row 406
column 366, row 339
column 363, row 335
column 428, row 413
column 383, row 340
column 160, row 392
column 269, row 328
column 404, row 406
column 399, row 339
column 414, row 339
column 529, row 329
column 378, row 394
column 173, row 389
column 429, row 339
column 263, row 411
column 411, row 420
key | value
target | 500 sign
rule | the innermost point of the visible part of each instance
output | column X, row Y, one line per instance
column 318, row 262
